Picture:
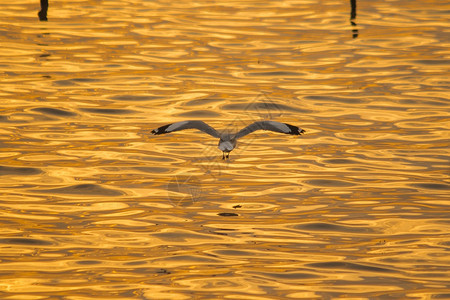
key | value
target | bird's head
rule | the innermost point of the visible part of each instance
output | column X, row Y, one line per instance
column 227, row 143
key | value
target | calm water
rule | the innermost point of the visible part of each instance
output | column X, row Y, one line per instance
column 94, row 206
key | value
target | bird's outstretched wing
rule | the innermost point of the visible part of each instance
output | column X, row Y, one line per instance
column 200, row 125
column 272, row 126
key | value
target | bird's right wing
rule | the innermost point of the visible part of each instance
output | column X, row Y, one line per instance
column 200, row 125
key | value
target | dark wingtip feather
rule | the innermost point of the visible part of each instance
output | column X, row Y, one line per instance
column 295, row 130
column 160, row 130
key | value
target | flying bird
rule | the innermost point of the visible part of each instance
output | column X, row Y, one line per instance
column 227, row 142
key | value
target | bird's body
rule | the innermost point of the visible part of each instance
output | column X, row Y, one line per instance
column 227, row 142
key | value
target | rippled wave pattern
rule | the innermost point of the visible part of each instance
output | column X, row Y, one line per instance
column 93, row 205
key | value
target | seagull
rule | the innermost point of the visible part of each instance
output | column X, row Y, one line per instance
column 227, row 142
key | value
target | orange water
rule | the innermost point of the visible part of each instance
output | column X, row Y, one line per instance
column 94, row 206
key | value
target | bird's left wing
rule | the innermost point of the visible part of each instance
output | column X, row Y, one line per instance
column 272, row 126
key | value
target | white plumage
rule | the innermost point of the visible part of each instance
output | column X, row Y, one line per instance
column 227, row 142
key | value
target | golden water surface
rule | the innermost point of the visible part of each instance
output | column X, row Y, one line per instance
column 94, row 206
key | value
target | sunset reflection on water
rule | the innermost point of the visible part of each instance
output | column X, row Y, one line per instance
column 93, row 204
